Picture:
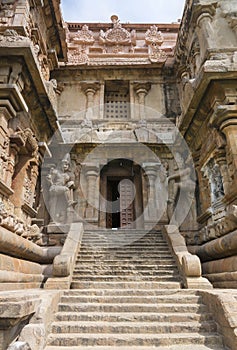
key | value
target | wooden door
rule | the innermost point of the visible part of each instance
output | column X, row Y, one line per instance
column 126, row 203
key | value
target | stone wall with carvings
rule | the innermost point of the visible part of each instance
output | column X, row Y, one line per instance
column 32, row 42
column 206, row 72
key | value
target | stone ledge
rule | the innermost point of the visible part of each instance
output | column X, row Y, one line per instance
column 5, row 190
column 222, row 304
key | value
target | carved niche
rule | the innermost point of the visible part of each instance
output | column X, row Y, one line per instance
column 213, row 173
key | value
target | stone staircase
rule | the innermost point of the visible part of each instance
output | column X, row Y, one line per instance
column 126, row 294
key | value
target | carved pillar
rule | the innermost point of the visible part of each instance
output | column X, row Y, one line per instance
column 203, row 15
column 90, row 89
column 25, row 171
column 141, row 90
column 11, row 102
column 226, row 119
column 151, row 171
column 91, row 172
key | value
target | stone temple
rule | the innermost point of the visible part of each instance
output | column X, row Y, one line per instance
column 118, row 180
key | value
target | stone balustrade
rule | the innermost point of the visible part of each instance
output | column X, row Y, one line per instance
column 189, row 265
column 63, row 264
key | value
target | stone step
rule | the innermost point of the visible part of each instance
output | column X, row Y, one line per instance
column 88, row 260
column 75, row 339
column 135, row 316
column 130, row 299
column 131, row 307
column 122, row 277
column 152, row 243
column 182, row 294
column 118, row 271
column 121, row 255
column 144, row 248
column 141, row 243
column 132, row 327
column 129, row 264
column 171, row 347
column 125, row 285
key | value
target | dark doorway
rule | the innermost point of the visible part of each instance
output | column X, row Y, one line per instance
column 121, row 188
column 120, row 196
column 113, row 216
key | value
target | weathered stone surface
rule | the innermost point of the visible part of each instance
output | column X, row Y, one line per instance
column 189, row 265
column 20, row 247
column 135, row 313
column 8, row 263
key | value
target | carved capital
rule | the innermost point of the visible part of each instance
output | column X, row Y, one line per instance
column 141, row 87
column 88, row 87
column 224, row 116
column 204, row 11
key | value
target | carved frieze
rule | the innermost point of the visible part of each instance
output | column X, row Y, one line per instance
column 156, row 54
column 78, row 57
column 121, row 44
column 11, row 35
column 84, row 36
column 117, row 35
column 153, row 35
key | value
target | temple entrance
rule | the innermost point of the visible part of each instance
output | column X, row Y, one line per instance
column 120, row 196
column 121, row 189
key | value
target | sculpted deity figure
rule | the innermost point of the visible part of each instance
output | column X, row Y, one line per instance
column 62, row 185
column 182, row 191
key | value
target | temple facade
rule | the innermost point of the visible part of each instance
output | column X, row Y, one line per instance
column 116, row 127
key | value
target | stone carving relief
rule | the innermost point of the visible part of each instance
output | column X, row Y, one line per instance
column 10, row 36
column 119, row 45
column 181, row 187
column 154, row 40
column 156, row 54
column 77, row 57
column 17, row 225
column 61, row 190
column 153, row 35
column 213, row 173
column 84, row 36
column 4, row 159
column 117, row 35
column 26, row 138
column 7, row 13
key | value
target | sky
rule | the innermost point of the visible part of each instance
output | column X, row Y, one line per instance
column 133, row 11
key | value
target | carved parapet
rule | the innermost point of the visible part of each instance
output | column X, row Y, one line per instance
column 189, row 265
